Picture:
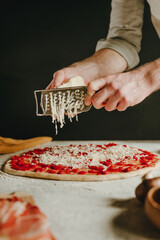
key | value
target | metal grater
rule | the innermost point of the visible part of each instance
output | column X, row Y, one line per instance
column 56, row 95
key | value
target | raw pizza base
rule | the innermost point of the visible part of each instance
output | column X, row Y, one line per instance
column 77, row 177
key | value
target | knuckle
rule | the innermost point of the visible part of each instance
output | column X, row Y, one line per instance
column 55, row 74
column 113, row 85
column 109, row 78
column 119, row 93
column 105, row 91
column 95, row 104
column 121, row 107
column 108, row 108
column 125, row 100
column 91, row 85
column 104, row 80
column 58, row 73
column 74, row 64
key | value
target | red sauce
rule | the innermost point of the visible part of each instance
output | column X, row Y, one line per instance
column 28, row 161
column 82, row 172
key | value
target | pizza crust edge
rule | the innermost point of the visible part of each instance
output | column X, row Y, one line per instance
column 78, row 177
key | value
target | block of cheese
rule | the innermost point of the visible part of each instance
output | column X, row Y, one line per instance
column 73, row 82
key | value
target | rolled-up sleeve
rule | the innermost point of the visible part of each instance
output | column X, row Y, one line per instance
column 125, row 30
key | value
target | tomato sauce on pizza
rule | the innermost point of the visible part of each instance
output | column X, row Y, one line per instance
column 89, row 159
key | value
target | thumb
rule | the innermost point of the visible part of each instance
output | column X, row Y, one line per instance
column 62, row 76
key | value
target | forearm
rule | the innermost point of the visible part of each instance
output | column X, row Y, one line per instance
column 124, row 35
column 104, row 62
column 114, row 62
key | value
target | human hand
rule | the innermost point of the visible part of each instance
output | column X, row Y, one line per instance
column 100, row 64
column 119, row 91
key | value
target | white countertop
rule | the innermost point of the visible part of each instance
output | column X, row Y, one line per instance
column 89, row 210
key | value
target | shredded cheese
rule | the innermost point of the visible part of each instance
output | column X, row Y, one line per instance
column 83, row 156
column 68, row 102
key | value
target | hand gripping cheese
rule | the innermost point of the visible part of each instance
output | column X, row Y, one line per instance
column 73, row 82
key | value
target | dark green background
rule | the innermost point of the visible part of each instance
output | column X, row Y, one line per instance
column 38, row 38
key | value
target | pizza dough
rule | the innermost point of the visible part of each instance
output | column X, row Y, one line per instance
column 121, row 164
column 83, row 178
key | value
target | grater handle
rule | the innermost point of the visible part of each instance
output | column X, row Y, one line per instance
column 36, row 99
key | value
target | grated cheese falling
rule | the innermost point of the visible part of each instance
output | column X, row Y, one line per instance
column 62, row 103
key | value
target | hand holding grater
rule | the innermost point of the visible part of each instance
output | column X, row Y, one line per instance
column 71, row 99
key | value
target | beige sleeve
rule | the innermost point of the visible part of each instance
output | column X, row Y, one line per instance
column 125, row 30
